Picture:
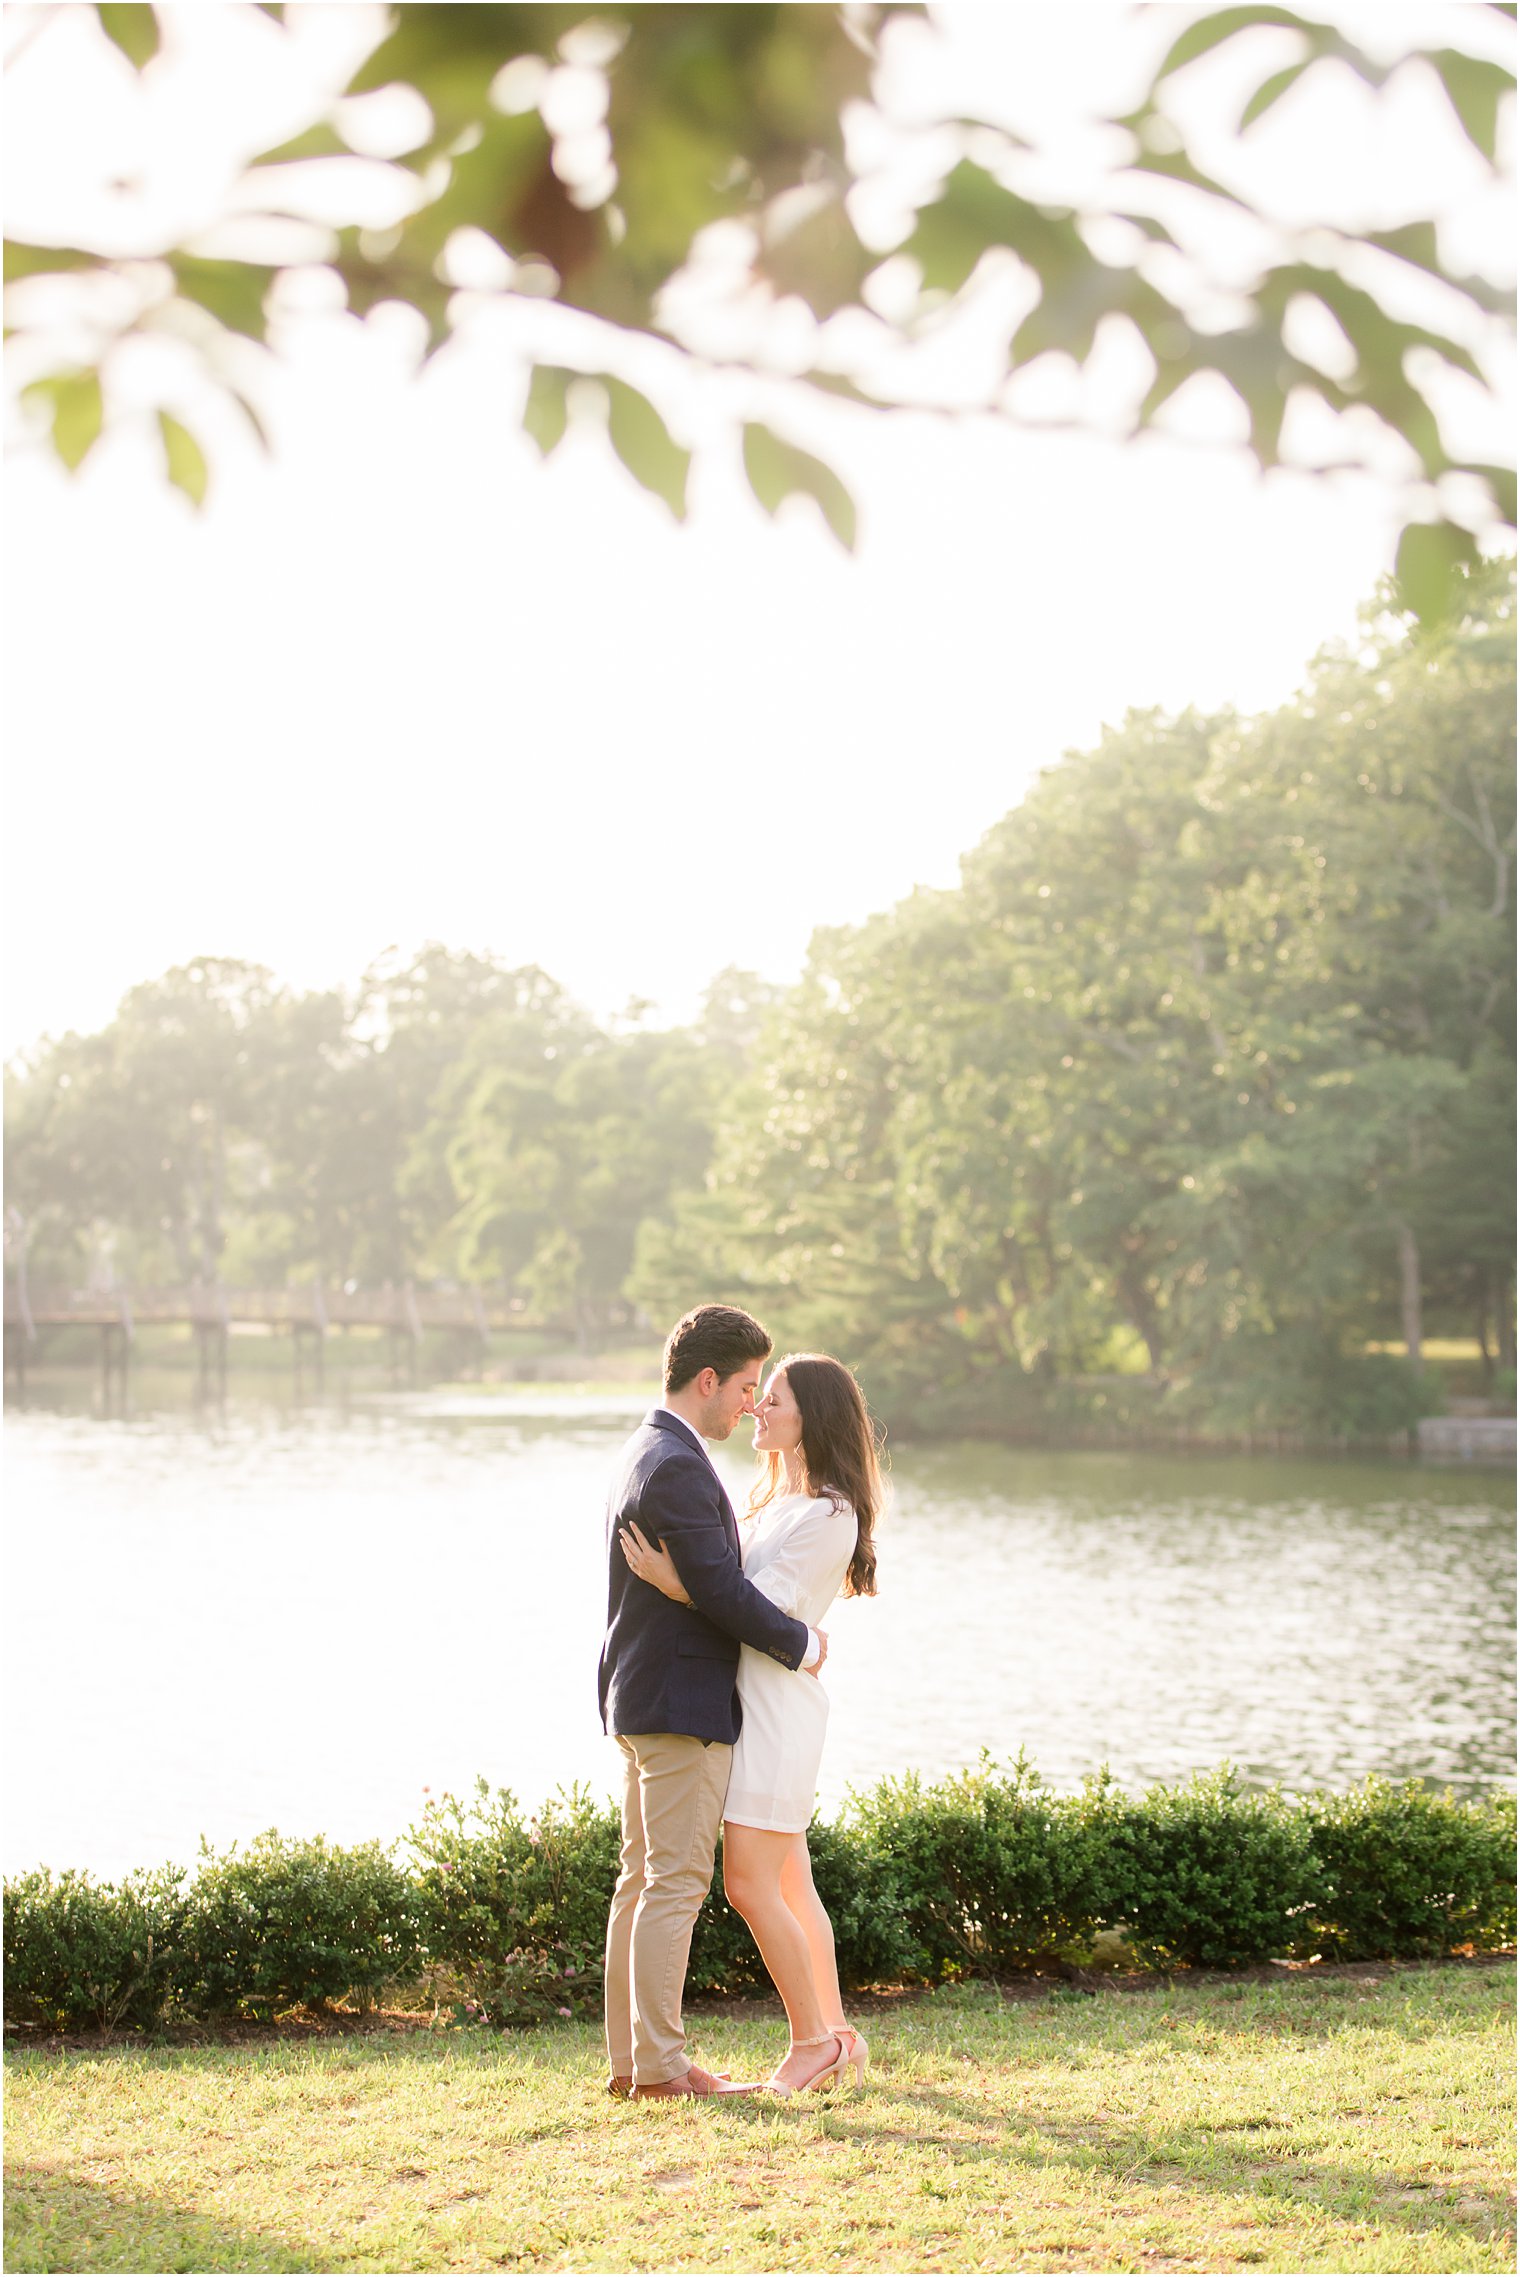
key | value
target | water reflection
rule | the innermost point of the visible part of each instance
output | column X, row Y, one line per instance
column 309, row 1616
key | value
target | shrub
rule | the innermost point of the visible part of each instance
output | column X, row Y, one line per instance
column 287, row 1923
column 970, row 1877
column 493, row 1887
column 983, row 1871
column 1203, row 1873
column 533, row 1985
column 856, row 1889
column 1412, row 1873
column 80, row 1952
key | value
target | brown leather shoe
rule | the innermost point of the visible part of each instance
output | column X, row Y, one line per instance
column 620, row 2087
column 693, row 2082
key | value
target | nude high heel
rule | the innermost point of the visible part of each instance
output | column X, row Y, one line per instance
column 856, row 2052
column 826, row 2074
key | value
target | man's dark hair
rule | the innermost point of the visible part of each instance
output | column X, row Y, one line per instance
column 713, row 1336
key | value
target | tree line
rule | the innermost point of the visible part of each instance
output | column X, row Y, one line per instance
column 1204, row 1073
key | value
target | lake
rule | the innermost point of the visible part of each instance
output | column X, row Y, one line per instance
column 312, row 1617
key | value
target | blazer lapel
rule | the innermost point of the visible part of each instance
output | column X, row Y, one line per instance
column 661, row 1419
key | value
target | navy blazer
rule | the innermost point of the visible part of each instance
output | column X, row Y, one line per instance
column 669, row 1667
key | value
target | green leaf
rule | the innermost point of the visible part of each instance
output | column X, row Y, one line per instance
column 397, row 275
column 1428, row 566
column 1474, row 88
column 1501, row 481
column 185, row 459
column 1176, row 166
column 1256, row 366
column 545, row 412
column 319, row 141
column 1217, row 26
column 971, row 213
column 450, row 51
column 133, row 29
column 974, row 213
column 1147, row 224
column 645, row 444
column 1413, row 241
column 231, row 291
column 1380, row 340
column 778, row 470
column 1071, row 307
column 75, row 403
column 836, row 384
column 1272, row 90
column 45, row 260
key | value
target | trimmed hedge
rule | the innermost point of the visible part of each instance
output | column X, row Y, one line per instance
column 296, row 1924
column 77, row 1953
column 503, row 1917
column 1406, row 1873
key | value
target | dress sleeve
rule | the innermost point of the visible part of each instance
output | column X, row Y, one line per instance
column 816, row 1548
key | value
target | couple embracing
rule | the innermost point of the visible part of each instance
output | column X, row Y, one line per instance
column 709, row 1685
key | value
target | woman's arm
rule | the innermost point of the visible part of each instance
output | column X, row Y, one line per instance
column 652, row 1562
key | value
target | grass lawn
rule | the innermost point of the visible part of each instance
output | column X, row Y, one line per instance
column 1348, row 2122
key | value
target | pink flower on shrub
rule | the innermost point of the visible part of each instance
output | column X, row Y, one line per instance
column 564, row 2012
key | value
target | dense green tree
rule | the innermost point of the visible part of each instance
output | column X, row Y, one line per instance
column 135, row 1131
column 559, row 1138
column 1211, row 1048
column 325, row 1141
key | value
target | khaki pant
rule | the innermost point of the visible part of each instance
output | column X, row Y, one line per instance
column 673, row 1789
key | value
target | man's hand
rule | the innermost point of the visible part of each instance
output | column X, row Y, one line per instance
column 823, row 1651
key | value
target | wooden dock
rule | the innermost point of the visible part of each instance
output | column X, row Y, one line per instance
column 307, row 1314
column 312, row 1306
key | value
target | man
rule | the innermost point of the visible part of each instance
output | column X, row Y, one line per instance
column 668, row 1688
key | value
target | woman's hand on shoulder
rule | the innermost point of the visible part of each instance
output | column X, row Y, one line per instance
column 652, row 1562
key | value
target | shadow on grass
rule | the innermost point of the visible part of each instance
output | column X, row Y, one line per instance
column 1200, row 2159
column 53, row 2222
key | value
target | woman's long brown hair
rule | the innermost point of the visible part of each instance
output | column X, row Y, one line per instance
column 840, row 1457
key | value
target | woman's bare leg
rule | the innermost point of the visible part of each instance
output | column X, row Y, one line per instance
column 753, row 1862
column 807, row 1910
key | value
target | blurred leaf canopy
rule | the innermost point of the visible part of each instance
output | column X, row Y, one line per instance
column 683, row 118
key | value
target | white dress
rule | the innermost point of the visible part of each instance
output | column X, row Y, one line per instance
column 797, row 1552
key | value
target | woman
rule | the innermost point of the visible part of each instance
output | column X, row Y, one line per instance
column 808, row 1530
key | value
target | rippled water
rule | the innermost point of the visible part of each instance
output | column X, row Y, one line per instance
column 309, row 1618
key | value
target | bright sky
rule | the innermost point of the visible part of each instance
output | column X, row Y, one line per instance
column 399, row 682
